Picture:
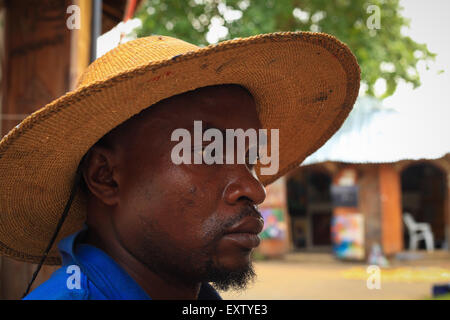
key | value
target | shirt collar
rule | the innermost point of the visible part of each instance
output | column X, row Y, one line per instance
column 106, row 274
column 108, row 277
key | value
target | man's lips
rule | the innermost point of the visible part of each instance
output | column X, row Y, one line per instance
column 247, row 225
column 245, row 232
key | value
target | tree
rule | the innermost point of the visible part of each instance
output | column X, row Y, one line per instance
column 371, row 28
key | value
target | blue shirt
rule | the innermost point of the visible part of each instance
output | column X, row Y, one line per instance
column 88, row 273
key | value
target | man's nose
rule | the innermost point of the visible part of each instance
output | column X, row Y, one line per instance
column 244, row 187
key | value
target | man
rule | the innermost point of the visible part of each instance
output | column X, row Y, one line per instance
column 143, row 226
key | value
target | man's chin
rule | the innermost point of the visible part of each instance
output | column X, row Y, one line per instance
column 236, row 278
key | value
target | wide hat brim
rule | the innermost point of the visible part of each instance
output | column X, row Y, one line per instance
column 304, row 84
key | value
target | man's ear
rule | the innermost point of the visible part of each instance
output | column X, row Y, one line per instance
column 99, row 174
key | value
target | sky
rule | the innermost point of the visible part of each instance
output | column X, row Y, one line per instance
column 430, row 24
column 419, row 127
column 424, row 112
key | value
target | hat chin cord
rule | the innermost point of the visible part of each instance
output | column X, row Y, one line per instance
column 58, row 227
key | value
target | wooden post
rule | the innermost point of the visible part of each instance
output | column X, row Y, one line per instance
column 369, row 205
column 391, row 210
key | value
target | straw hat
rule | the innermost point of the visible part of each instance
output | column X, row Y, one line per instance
column 304, row 84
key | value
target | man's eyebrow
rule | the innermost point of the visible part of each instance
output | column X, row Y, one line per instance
column 208, row 125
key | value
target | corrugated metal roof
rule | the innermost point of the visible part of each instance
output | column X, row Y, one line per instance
column 374, row 134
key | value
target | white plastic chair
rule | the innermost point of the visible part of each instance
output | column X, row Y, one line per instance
column 418, row 231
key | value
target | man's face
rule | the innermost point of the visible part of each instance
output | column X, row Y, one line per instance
column 174, row 218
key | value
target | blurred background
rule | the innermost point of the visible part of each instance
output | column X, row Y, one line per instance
column 367, row 216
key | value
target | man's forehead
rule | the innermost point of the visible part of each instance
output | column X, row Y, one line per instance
column 217, row 107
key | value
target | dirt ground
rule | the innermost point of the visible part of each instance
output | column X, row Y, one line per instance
column 301, row 276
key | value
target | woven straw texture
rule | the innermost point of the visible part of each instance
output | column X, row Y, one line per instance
column 304, row 84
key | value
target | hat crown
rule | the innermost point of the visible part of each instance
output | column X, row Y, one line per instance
column 133, row 54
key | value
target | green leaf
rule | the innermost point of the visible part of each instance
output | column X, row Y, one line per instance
column 345, row 19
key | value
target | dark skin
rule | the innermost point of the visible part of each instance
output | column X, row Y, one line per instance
column 164, row 223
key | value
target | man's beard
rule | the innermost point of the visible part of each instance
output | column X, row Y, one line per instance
column 168, row 261
column 224, row 280
column 194, row 268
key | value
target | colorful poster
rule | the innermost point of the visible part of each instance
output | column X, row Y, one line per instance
column 274, row 224
column 347, row 233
